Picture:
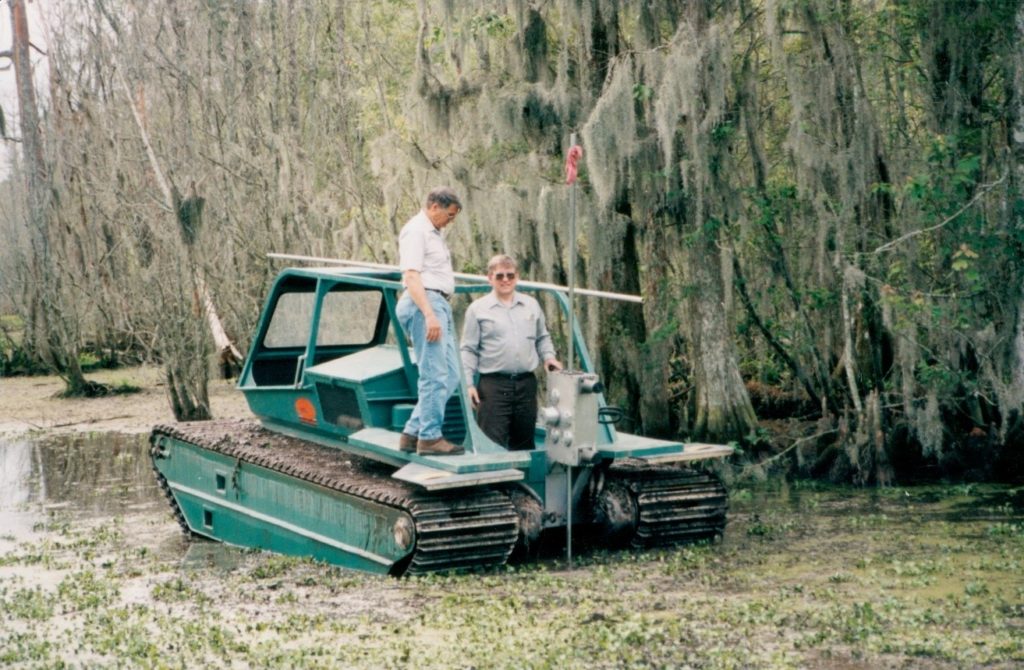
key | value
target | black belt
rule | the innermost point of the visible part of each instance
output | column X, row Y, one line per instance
column 511, row 376
column 446, row 296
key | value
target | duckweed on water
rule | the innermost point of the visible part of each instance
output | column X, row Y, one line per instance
column 29, row 604
column 178, row 590
column 807, row 577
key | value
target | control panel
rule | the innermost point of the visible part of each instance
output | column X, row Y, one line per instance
column 571, row 417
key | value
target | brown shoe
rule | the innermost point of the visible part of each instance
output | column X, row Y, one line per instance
column 438, row 447
column 407, row 443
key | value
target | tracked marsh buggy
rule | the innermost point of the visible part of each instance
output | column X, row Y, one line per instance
column 331, row 381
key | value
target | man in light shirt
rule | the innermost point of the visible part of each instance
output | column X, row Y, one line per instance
column 504, row 339
column 426, row 316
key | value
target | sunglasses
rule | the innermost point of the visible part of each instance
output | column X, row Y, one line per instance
column 502, row 276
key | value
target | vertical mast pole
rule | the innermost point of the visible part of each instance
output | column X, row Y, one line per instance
column 568, row 524
column 570, row 177
column 572, row 263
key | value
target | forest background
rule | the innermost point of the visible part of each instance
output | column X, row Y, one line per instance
column 820, row 200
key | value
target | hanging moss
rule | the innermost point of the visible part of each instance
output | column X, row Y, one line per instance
column 657, row 94
column 609, row 134
column 676, row 90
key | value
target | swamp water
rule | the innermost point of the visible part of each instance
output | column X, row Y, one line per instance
column 102, row 483
column 94, row 572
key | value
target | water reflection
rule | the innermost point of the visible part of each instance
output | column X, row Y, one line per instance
column 18, row 461
column 91, row 475
column 202, row 554
column 95, row 478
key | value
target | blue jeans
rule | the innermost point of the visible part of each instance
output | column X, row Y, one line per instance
column 438, row 364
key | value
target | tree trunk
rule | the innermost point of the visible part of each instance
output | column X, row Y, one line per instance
column 723, row 408
column 1016, row 94
column 31, row 134
column 55, row 329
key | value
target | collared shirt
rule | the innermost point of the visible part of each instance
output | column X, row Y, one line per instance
column 504, row 338
column 421, row 247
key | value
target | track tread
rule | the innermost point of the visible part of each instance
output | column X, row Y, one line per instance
column 673, row 505
column 454, row 530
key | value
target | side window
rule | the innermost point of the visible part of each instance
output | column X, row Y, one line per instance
column 346, row 318
column 289, row 324
column 349, row 317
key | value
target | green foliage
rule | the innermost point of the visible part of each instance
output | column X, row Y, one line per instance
column 949, row 178
column 177, row 590
column 274, row 566
column 26, row 647
column 11, row 323
column 765, row 368
column 86, row 590
column 124, row 387
column 723, row 132
column 14, row 358
column 498, row 26
column 938, row 377
column 1006, row 530
column 88, row 361
column 31, row 604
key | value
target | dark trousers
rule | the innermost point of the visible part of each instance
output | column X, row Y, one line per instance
column 508, row 409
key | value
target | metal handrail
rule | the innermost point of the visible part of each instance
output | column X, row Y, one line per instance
column 625, row 297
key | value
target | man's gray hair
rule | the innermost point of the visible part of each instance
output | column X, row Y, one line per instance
column 445, row 197
column 501, row 261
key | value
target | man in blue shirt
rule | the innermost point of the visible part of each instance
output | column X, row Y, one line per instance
column 504, row 339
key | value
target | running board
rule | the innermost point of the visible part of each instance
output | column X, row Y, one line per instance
column 693, row 451
column 433, row 479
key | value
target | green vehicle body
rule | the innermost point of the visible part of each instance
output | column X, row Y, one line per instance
column 330, row 374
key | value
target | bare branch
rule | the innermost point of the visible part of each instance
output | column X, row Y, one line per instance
column 158, row 173
column 914, row 233
column 796, row 443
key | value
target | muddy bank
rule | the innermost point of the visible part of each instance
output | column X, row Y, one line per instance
column 33, row 403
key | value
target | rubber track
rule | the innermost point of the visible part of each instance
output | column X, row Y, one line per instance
column 454, row 530
column 165, row 488
column 674, row 505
